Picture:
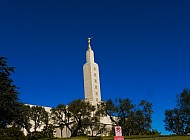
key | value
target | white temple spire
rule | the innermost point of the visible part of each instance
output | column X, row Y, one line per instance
column 91, row 78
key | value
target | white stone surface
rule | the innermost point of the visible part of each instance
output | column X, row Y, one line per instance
column 91, row 79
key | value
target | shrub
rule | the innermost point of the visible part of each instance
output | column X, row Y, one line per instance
column 35, row 135
column 12, row 133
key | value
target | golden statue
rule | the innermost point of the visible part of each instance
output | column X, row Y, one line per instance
column 89, row 41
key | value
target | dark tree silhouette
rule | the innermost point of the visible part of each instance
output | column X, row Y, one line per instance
column 177, row 120
column 9, row 102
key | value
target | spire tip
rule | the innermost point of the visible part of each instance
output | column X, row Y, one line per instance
column 89, row 47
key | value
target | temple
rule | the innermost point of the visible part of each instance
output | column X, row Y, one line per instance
column 91, row 92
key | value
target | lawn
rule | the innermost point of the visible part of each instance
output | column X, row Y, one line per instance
column 131, row 138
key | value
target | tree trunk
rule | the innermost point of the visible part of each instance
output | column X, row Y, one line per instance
column 74, row 133
column 61, row 132
column 35, row 127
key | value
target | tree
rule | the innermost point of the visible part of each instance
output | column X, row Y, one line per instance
column 134, row 120
column 173, row 121
column 61, row 117
column 23, row 117
column 144, row 119
column 38, row 116
column 75, row 117
column 93, row 126
column 9, row 102
column 80, row 111
column 183, row 104
column 130, row 123
column 125, row 114
column 26, row 115
column 177, row 120
column 11, row 133
column 48, row 129
column 110, row 109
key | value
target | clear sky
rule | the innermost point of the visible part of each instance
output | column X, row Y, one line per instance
column 142, row 48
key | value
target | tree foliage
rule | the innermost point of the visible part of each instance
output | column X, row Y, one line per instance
column 61, row 117
column 11, row 133
column 80, row 111
column 177, row 120
column 25, row 113
column 9, row 102
column 72, row 116
column 143, row 117
column 38, row 116
column 133, row 119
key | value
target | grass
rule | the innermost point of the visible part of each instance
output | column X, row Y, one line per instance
column 132, row 138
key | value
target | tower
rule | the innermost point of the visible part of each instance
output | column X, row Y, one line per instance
column 91, row 78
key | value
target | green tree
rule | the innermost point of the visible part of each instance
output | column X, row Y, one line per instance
column 61, row 117
column 132, row 119
column 139, row 121
column 48, row 129
column 9, row 102
column 177, row 120
column 110, row 110
column 80, row 111
column 130, row 124
column 183, row 104
column 23, row 117
column 145, row 120
column 11, row 133
column 38, row 116
column 26, row 115
column 173, row 121
column 93, row 125
column 96, row 125
column 125, row 115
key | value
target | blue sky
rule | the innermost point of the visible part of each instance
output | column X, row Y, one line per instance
column 142, row 48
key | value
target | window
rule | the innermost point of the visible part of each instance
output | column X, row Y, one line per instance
column 95, row 80
column 96, row 99
column 96, row 87
column 94, row 68
column 94, row 74
column 96, row 93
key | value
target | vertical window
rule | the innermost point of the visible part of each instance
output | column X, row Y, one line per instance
column 94, row 74
column 94, row 68
column 96, row 87
column 95, row 80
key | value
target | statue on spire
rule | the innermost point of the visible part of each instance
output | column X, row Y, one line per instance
column 89, row 47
